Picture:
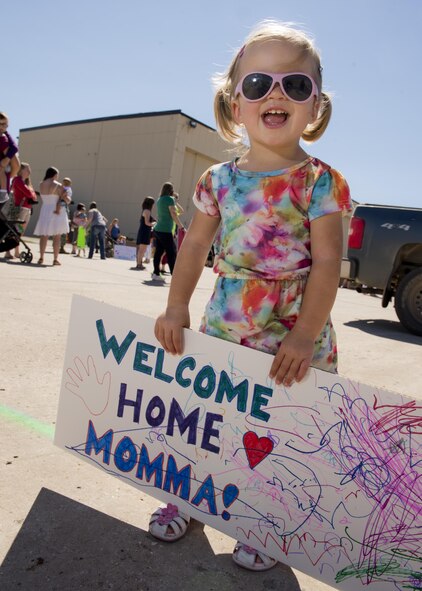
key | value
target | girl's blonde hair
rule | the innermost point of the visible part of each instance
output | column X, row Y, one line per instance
column 22, row 167
column 268, row 30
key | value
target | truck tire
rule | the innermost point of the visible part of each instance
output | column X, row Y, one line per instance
column 408, row 301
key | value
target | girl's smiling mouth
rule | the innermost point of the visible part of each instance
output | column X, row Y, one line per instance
column 275, row 117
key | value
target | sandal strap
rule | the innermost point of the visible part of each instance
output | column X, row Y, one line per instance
column 249, row 555
column 158, row 526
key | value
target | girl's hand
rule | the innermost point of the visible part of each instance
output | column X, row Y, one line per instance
column 293, row 358
column 169, row 328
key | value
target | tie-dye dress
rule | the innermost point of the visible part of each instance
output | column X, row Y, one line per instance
column 263, row 250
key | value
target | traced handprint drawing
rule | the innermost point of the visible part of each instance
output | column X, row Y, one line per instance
column 85, row 383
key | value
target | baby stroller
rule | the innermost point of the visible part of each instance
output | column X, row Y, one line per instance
column 10, row 237
column 109, row 245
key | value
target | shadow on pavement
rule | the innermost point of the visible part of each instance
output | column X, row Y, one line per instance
column 386, row 329
column 64, row 545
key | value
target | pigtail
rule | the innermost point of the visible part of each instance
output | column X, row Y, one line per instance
column 224, row 117
column 315, row 130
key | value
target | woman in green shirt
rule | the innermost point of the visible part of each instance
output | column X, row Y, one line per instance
column 164, row 241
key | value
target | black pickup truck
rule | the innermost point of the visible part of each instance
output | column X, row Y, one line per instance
column 384, row 256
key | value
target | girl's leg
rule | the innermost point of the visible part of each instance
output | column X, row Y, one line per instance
column 23, row 226
column 56, row 249
column 148, row 253
column 3, row 179
column 140, row 255
column 3, row 186
column 43, row 246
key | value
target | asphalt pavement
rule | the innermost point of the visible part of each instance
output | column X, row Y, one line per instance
column 66, row 526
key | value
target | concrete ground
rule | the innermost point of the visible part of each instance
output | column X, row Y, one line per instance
column 66, row 526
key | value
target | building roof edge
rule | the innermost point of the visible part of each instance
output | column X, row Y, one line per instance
column 117, row 117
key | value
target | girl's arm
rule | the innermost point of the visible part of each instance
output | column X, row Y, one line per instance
column 190, row 262
column 24, row 190
column 24, row 194
column 296, row 351
column 147, row 217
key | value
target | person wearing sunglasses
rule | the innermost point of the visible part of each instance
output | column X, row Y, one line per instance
column 278, row 214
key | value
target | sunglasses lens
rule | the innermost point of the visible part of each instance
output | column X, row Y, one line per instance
column 256, row 86
column 298, row 87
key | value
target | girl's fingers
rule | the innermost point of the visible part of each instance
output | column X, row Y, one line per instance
column 171, row 339
column 177, row 340
column 280, row 368
column 286, row 371
column 158, row 332
column 290, row 374
column 167, row 341
column 303, row 368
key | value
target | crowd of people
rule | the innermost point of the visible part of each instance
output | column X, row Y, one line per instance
column 81, row 229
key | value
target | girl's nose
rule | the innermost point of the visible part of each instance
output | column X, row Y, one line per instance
column 277, row 91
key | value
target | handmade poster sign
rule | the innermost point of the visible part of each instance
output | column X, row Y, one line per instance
column 323, row 476
column 124, row 252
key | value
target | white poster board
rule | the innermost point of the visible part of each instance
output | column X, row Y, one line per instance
column 324, row 476
column 123, row 252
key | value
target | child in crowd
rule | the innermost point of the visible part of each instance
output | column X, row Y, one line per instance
column 24, row 198
column 143, row 239
column 114, row 229
column 9, row 161
column 80, row 220
column 67, row 188
column 278, row 212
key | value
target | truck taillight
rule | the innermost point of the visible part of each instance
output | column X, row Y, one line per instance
column 356, row 230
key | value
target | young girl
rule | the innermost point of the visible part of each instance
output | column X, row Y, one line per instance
column 143, row 239
column 80, row 220
column 279, row 212
column 24, row 198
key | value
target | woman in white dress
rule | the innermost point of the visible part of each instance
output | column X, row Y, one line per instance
column 53, row 220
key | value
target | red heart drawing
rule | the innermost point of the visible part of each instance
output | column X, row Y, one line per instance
column 256, row 448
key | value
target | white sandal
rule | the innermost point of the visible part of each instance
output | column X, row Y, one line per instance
column 246, row 557
column 167, row 524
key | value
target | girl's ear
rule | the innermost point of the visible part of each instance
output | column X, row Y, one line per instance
column 235, row 107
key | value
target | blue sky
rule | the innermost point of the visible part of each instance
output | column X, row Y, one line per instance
column 77, row 60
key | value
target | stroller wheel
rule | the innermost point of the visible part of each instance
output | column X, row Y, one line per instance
column 26, row 257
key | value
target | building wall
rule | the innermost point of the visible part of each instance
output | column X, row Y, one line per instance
column 119, row 161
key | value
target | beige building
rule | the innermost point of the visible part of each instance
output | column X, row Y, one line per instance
column 117, row 161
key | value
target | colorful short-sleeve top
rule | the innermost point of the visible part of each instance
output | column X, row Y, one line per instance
column 266, row 216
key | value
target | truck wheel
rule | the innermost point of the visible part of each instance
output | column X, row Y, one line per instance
column 408, row 301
